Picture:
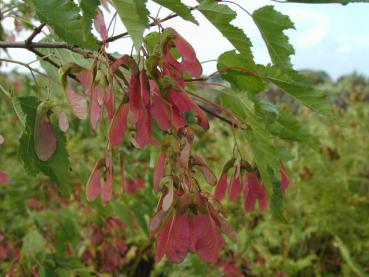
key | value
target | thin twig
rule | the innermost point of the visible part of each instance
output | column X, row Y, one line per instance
column 35, row 32
column 25, row 65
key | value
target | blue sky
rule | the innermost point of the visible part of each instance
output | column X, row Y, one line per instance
column 330, row 37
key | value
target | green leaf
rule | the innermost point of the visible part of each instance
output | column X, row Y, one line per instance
column 67, row 232
column 179, row 8
column 134, row 16
column 57, row 168
column 33, row 244
column 271, row 24
column 63, row 16
column 347, row 257
column 282, row 124
column 289, row 128
column 344, row 2
column 221, row 16
column 89, row 10
column 239, row 80
column 299, row 87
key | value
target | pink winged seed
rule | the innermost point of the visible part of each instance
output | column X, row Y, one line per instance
column 100, row 25
column 178, row 243
column 94, row 185
column 44, row 139
column 206, row 240
column 119, row 125
column 159, row 171
column 78, row 103
column 63, row 122
column 236, row 187
column 221, row 187
column 161, row 241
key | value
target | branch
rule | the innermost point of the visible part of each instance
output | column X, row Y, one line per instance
column 35, row 32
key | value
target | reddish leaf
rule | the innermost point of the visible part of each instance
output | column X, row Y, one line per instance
column 78, row 103
column 100, row 25
column 162, row 239
column 94, row 185
column 44, row 139
column 236, row 187
column 63, row 122
column 4, row 178
column 178, row 243
column 161, row 113
column 221, row 187
column 159, row 171
column 119, row 125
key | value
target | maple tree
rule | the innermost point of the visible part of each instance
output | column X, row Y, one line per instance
column 153, row 99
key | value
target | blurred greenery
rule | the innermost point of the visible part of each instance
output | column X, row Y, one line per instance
column 326, row 206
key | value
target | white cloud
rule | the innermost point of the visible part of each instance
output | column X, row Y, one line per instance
column 312, row 27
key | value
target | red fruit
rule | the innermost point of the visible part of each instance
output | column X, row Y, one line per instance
column 107, row 188
column 119, row 125
column 221, row 187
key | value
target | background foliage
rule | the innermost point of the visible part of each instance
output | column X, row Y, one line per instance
column 326, row 206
